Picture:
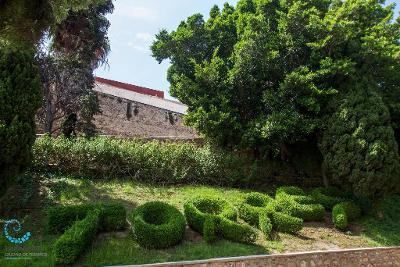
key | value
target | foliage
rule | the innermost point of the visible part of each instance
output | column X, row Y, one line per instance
column 236, row 232
column 200, row 210
column 158, row 225
column 267, row 74
column 77, row 238
column 283, row 222
column 293, row 201
column 343, row 213
column 265, row 224
column 359, row 146
column 166, row 163
column 252, row 206
column 328, row 196
column 24, row 22
column 112, row 216
column 69, row 125
column 19, row 99
column 209, row 229
column 382, row 226
column 79, row 45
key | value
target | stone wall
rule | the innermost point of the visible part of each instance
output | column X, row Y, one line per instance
column 124, row 118
column 369, row 257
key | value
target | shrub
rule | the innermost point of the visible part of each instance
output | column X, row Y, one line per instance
column 236, row 232
column 154, row 162
column 328, row 196
column 252, row 205
column 283, row 222
column 359, row 147
column 265, row 223
column 343, row 213
column 292, row 200
column 74, row 241
column 198, row 209
column 209, row 229
column 112, row 216
column 158, row 225
column 20, row 96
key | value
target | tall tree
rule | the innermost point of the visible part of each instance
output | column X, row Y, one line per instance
column 268, row 73
column 79, row 45
column 19, row 100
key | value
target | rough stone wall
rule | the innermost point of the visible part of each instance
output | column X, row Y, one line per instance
column 124, row 118
column 370, row 257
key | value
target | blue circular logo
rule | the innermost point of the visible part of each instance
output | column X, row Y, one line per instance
column 15, row 225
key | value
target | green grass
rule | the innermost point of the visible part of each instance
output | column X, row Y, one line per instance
column 120, row 248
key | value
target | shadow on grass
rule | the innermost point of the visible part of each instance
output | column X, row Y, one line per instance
column 383, row 229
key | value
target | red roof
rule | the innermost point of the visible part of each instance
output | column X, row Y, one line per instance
column 131, row 87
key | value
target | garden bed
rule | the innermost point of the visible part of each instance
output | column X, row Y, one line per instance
column 111, row 248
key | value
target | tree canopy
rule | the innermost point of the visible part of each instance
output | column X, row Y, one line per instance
column 269, row 73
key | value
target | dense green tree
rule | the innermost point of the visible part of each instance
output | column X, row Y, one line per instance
column 19, row 100
column 268, row 73
column 23, row 22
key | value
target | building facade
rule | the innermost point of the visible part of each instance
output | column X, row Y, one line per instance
column 133, row 111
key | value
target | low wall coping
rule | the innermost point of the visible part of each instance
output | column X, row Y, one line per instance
column 263, row 256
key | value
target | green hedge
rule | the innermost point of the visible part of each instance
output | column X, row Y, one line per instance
column 77, row 238
column 198, row 209
column 343, row 213
column 200, row 212
column 155, row 162
column 251, row 206
column 236, row 232
column 112, row 216
column 293, row 201
column 328, row 196
column 283, row 222
column 157, row 225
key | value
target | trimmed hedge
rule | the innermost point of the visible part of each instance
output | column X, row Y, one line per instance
column 209, row 229
column 343, row 213
column 112, row 216
column 198, row 211
column 77, row 238
column 252, row 205
column 158, row 225
column 293, row 201
column 328, row 196
column 153, row 162
column 283, row 222
column 236, row 232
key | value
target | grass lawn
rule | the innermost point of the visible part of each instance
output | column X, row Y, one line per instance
column 120, row 248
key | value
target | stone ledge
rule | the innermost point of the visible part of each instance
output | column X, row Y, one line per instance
column 381, row 256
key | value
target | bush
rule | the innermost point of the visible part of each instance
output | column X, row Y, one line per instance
column 343, row 213
column 20, row 96
column 251, row 207
column 112, row 216
column 77, row 238
column 265, row 224
column 158, row 225
column 154, row 162
column 209, row 229
column 283, row 222
column 236, row 232
column 198, row 209
column 292, row 200
column 328, row 196
column 359, row 147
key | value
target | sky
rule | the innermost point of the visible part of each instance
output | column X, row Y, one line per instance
column 134, row 24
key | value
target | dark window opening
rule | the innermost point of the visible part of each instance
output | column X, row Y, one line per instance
column 129, row 110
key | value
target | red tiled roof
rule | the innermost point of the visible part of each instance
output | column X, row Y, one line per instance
column 131, row 87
